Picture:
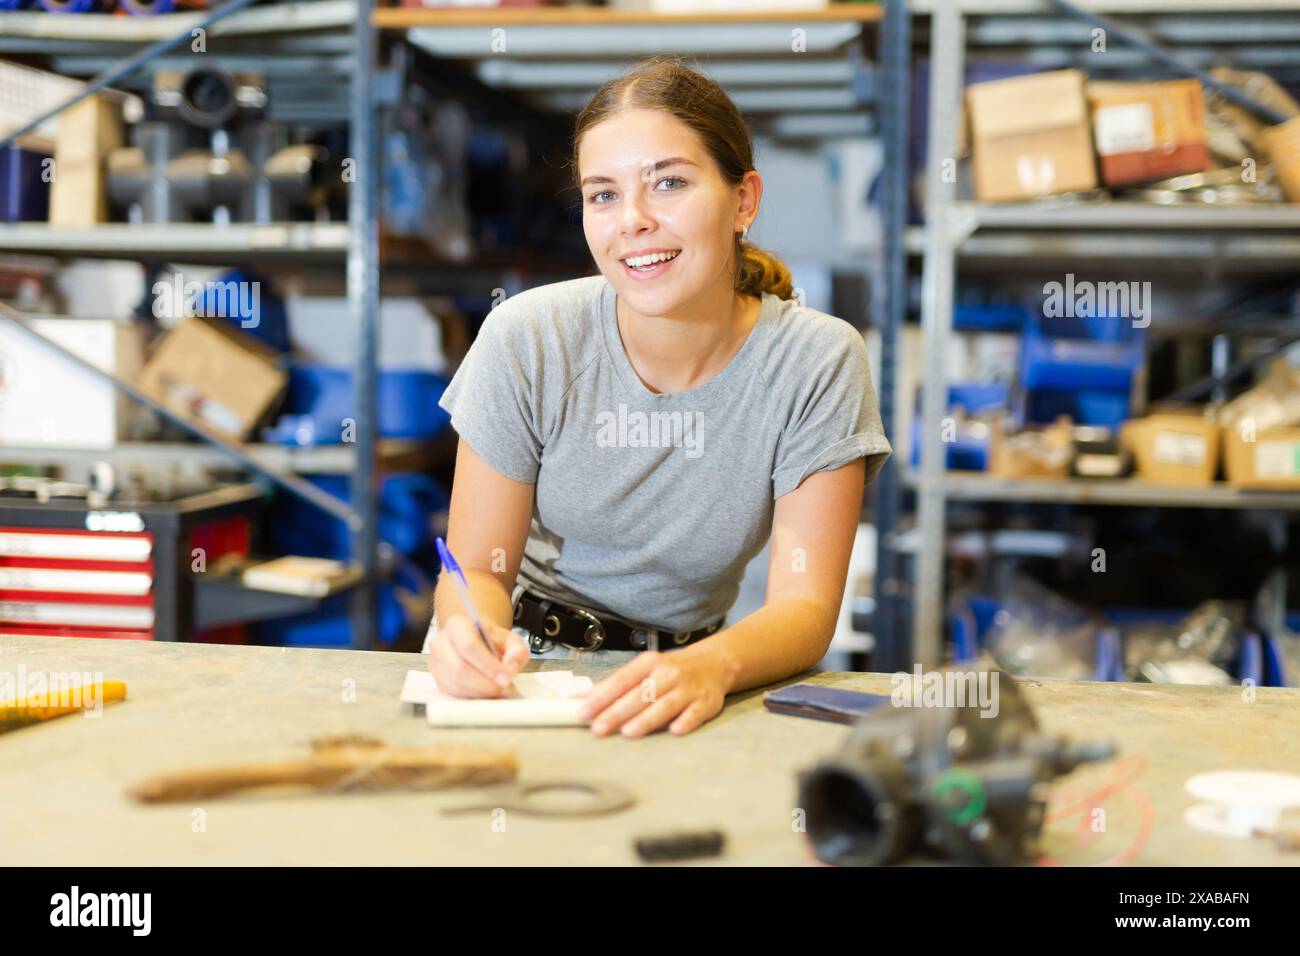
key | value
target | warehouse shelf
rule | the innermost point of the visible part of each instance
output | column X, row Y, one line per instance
column 176, row 240
column 1278, row 252
column 405, row 18
column 1128, row 492
column 1021, row 237
column 1118, row 215
column 99, row 28
column 393, row 455
column 223, row 600
column 1118, row 7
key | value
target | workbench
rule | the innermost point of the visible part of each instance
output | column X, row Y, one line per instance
column 62, row 785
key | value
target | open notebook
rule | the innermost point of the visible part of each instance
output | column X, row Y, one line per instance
column 546, row 699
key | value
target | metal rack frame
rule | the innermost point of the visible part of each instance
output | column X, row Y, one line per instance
column 373, row 87
column 952, row 228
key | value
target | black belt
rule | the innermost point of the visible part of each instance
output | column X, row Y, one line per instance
column 550, row 622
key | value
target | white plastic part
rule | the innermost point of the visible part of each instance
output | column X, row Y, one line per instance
column 1239, row 802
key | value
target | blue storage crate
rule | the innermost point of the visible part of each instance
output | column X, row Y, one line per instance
column 407, row 504
column 24, row 189
column 1082, row 367
column 969, row 628
column 967, row 452
column 320, row 399
column 329, row 626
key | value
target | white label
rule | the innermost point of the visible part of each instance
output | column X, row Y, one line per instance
column 1179, row 448
column 1277, row 459
column 1125, row 129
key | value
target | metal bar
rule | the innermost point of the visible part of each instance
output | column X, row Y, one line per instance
column 1198, row 388
column 890, row 648
column 947, row 55
column 363, row 300
column 1163, row 56
column 129, row 66
column 286, row 480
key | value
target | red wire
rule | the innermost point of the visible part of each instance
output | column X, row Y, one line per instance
column 1118, row 780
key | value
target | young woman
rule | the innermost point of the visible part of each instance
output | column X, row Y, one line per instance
column 629, row 441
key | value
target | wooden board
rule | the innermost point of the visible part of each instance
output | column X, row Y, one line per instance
column 189, row 704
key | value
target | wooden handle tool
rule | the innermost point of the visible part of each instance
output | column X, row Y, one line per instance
column 338, row 769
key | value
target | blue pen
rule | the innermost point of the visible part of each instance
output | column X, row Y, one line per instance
column 462, row 588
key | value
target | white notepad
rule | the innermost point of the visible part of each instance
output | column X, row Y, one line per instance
column 546, row 699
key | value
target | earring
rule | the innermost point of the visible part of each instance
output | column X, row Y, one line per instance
column 744, row 232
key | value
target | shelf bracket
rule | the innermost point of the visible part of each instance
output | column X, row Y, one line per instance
column 962, row 221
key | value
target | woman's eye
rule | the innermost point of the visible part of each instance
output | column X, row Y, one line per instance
column 600, row 197
column 676, row 180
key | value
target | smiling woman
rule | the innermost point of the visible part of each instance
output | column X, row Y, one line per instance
column 593, row 541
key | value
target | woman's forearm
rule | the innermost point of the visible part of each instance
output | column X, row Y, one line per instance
column 784, row 637
column 488, row 593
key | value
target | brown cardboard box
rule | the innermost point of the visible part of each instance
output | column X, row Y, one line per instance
column 1283, row 145
column 1030, row 136
column 1148, row 131
column 209, row 371
column 88, row 132
column 1174, row 448
column 1272, row 460
column 1031, row 453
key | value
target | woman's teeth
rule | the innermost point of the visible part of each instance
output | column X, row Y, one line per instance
column 645, row 262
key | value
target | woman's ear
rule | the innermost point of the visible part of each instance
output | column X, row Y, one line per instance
column 750, row 193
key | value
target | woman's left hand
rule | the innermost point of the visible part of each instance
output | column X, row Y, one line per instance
column 683, row 689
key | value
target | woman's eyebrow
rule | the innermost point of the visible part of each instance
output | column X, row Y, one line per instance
column 654, row 168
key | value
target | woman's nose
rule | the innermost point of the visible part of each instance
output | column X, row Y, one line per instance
column 635, row 216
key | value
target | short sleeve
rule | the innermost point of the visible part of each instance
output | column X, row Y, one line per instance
column 834, row 419
column 494, row 398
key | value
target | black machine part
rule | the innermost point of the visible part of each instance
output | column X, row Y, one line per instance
column 945, row 780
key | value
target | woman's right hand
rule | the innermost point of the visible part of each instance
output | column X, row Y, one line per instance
column 463, row 667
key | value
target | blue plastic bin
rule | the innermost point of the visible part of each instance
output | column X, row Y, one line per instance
column 320, row 399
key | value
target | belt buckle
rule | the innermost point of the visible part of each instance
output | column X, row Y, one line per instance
column 593, row 623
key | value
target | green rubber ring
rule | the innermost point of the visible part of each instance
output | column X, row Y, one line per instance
column 961, row 780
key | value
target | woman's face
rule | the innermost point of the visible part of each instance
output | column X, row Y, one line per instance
column 659, row 219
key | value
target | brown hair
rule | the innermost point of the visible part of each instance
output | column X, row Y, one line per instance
column 669, row 84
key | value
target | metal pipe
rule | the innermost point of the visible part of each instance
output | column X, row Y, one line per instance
column 128, row 66
column 363, row 300
column 890, row 651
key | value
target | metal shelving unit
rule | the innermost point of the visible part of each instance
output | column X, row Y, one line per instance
column 121, row 46
column 1250, row 238
column 556, row 57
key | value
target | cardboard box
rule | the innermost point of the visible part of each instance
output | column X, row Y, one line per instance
column 1174, row 448
column 210, row 371
column 1272, row 460
column 1148, row 131
column 1031, row 453
column 1030, row 136
column 47, row 401
column 88, row 132
column 1283, row 145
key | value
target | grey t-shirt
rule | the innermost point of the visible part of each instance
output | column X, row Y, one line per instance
column 649, row 506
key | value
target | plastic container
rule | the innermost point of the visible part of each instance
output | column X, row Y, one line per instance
column 320, row 400
column 407, row 505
